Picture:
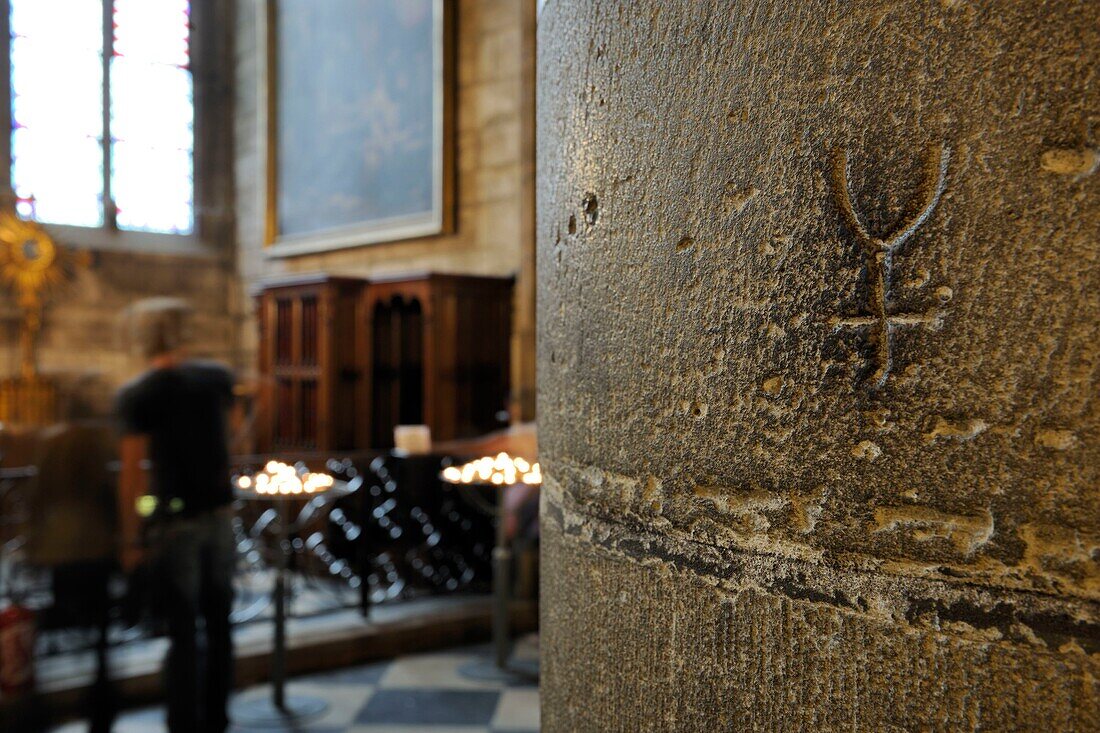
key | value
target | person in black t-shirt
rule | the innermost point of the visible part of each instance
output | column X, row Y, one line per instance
column 176, row 415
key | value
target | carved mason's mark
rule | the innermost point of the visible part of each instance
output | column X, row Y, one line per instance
column 879, row 252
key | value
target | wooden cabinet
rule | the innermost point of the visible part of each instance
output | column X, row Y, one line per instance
column 437, row 353
column 343, row 360
column 308, row 370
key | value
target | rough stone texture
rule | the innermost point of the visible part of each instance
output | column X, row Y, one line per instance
column 818, row 364
column 494, row 144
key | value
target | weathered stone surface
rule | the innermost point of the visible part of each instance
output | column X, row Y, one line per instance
column 818, row 356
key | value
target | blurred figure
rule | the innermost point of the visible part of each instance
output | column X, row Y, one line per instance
column 176, row 415
column 521, row 529
column 73, row 516
column 521, row 502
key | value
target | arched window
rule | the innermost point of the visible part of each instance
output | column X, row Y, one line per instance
column 102, row 113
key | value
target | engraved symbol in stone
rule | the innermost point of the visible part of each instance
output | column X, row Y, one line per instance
column 880, row 322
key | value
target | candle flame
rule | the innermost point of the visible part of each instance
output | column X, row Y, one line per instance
column 499, row 470
column 278, row 478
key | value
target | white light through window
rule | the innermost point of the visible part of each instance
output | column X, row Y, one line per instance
column 57, row 109
column 58, row 156
column 152, row 116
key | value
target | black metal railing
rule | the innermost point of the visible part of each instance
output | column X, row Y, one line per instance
column 398, row 533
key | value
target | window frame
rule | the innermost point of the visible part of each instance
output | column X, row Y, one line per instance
column 108, row 236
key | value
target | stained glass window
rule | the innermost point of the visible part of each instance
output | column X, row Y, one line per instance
column 62, row 172
column 152, row 116
column 57, row 109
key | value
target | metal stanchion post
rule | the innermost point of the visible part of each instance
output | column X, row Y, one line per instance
column 499, row 666
column 504, row 473
column 278, row 654
column 502, row 573
column 280, row 710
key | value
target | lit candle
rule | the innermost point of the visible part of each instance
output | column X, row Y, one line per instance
column 499, row 470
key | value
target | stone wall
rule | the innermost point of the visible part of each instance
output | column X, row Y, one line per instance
column 494, row 232
column 818, row 365
column 83, row 343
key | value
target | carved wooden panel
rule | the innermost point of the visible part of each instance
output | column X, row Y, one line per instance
column 439, row 350
column 309, row 376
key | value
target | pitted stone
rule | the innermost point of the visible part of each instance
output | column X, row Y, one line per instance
column 838, row 308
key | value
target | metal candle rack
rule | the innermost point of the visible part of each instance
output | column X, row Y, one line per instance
column 500, row 472
column 281, row 484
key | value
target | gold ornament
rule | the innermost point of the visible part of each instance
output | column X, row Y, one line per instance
column 30, row 265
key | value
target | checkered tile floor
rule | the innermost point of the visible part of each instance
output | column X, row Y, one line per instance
column 425, row 693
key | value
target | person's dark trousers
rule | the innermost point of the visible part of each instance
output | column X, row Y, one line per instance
column 82, row 594
column 197, row 559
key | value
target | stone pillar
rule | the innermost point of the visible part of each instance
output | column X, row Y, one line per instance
column 819, row 304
